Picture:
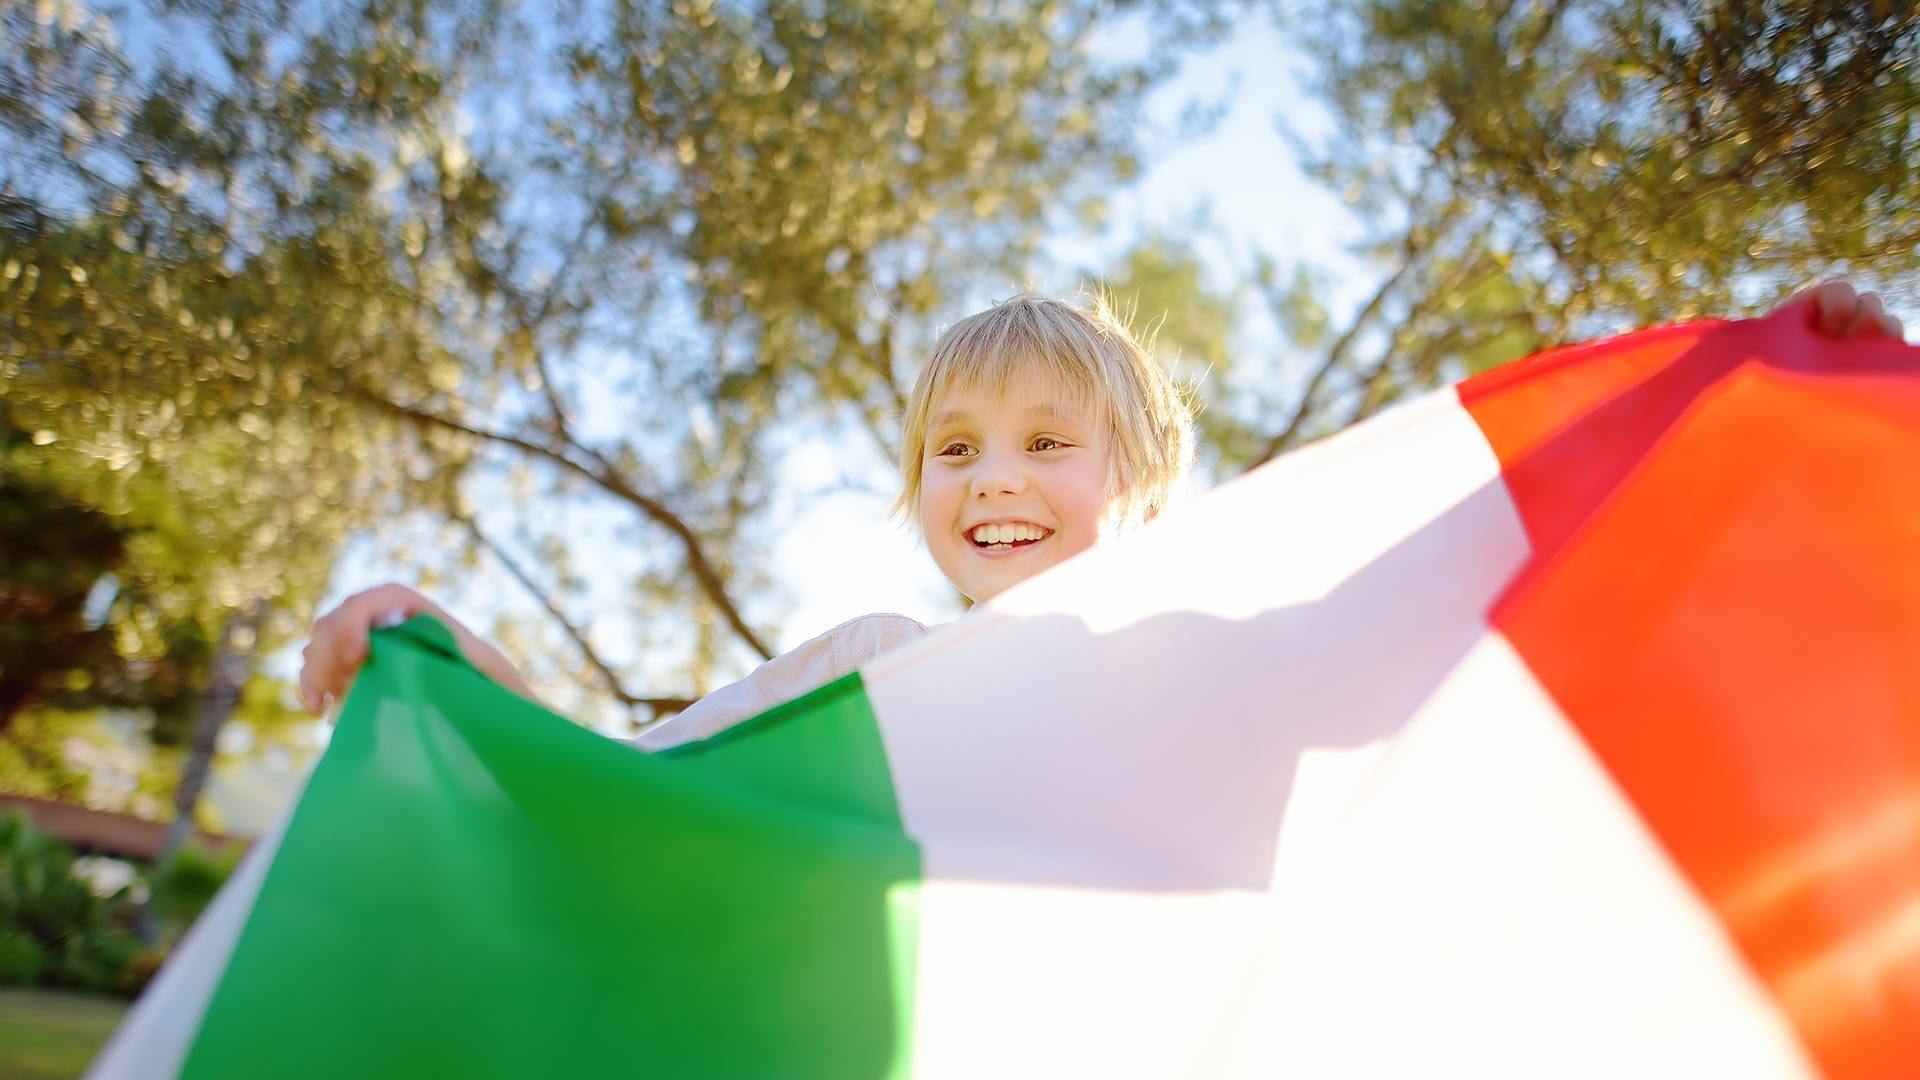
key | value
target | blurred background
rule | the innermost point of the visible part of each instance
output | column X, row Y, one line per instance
column 592, row 319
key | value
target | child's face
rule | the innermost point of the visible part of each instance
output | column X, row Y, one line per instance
column 1024, row 463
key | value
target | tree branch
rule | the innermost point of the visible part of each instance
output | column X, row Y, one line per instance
column 1337, row 354
column 879, row 359
column 601, row 473
column 658, row 705
column 1373, row 386
column 532, row 317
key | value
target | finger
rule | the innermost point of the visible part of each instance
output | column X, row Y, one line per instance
column 310, row 690
column 1837, row 303
column 313, row 663
column 346, row 635
column 339, row 644
column 386, row 605
column 359, row 607
column 307, row 699
column 339, row 697
column 339, row 641
column 1868, row 318
column 1818, row 301
column 1893, row 327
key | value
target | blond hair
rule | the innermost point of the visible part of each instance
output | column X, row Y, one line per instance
column 1091, row 355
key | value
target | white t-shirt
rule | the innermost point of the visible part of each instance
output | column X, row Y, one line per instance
column 783, row 678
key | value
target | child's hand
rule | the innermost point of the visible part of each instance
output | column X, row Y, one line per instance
column 1842, row 313
column 339, row 644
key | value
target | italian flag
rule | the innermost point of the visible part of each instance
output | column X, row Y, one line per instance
column 1564, row 722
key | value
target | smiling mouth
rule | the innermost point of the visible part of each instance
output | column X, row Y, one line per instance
column 1006, row 536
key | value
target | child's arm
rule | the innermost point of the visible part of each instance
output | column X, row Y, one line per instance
column 339, row 644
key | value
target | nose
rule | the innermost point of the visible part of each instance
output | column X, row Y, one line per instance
column 998, row 475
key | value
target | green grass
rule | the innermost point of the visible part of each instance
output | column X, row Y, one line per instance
column 52, row 1033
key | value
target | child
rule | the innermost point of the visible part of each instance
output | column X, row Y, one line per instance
column 1035, row 429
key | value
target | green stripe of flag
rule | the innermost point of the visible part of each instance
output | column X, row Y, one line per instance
column 472, row 885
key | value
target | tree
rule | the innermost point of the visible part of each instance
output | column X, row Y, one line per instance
column 176, row 262
column 602, row 255
column 57, row 555
column 1544, row 171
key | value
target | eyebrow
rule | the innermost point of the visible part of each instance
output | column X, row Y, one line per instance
column 1051, row 412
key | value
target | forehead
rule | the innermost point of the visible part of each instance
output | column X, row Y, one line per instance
column 1029, row 392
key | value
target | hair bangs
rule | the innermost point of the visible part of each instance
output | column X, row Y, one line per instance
column 1000, row 355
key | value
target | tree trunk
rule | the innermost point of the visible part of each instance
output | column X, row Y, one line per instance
column 217, row 700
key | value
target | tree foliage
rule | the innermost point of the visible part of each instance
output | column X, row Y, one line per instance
column 57, row 553
column 273, row 271
column 186, row 261
column 1537, row 171
column 190, row 249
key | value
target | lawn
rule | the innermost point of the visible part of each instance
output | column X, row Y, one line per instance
column 47, row 1033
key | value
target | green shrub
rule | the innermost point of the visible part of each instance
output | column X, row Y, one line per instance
column 184, row 884
column 102, row 962
column 53, row 929
column 22, row 960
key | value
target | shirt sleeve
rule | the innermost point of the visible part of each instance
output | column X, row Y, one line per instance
column 783, row 678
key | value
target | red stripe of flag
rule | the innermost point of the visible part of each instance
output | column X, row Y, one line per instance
column 1725, row 601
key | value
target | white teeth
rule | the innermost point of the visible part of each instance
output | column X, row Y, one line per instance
column 1006, row 533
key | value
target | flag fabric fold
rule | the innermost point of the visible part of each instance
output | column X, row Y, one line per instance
column 1563, row 722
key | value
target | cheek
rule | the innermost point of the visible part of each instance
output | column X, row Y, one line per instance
column 1080, row 498
column 939, row 504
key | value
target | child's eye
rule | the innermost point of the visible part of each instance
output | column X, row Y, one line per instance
column 1045, row 443
column 955, row 449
